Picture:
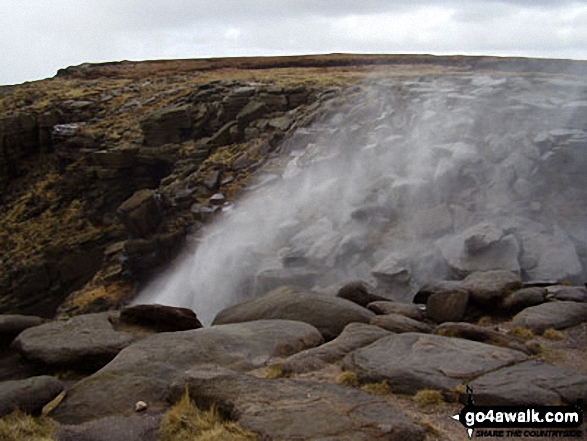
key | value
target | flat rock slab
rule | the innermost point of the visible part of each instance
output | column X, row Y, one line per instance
column 557, row 315
column 295, row 410
column 411, row 362
column 83, row 342
column 531, row 382
column 13, row 324
column 399, row 323
column 479, row 333
column 354, row 336
column 28, row 395
column 144, row 370
column 328, row 314
column 486, row 287
column 138, row 427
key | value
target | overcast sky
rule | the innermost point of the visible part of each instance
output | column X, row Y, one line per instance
column 37, row 37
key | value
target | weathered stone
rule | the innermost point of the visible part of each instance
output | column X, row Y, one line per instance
column 141, row 213
column 523, row 298
column 167, row 125
column 437, row 286
column 567, row 293
column 83, row 342
column 252, row 111
column 557, row 315
column 144, row 370
column 212, row 180
column 491, row 286
column 447, row 306
column 13, row 324
column 530, row 383
column 328, row 314
column 287, row 409
column 359, row 292
column 479, row 333
column 386, row 307
column 442, row 362
column 224, row 135
column 473, row 251
column 160, row 317
column 353, row 336
column 144, row 427
column 398, row 323
column 28, row 395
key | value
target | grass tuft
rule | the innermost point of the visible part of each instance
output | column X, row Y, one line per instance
column 381, row 388
column 274, row 371
column 448, row 333
column 553, row 334
column 18, row 426
column 428, row 398
column 185, row 422
column 486, row 320
column 348, row 378
column 521, row 332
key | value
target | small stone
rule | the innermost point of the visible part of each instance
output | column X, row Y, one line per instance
column 140, row 406
column 217, row 199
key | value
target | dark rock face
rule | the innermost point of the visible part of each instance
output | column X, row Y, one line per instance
column 28, row 395
column 354, row 336
column 19, row 138
column 144, row 370
column 286, row 409
column 83, row 342
column 328, row 314
column 557, row 315
column 160, row 318
column 167, row 126
column 443, row 363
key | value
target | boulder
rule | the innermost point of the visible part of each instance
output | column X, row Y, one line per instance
column 328, row 314
column 13, row 324
column 447, row 306
column 160, row 317
column 141, row 214
column 144, row 370
column 399, row 323
column 358, row 292
column 14, row 367
column 353, row 336
column 287, row 409
column 84, row 342
column 28, row 395
column 530, row 383
column 387, row 307
column 478, row 250
column 442, row 362
column 479, row 333
column 557, row 315
column 251, row 112
column 488, row 287
column 523, row 298
column 170, row 125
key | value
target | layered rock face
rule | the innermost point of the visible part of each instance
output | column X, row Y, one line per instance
column 407, row 181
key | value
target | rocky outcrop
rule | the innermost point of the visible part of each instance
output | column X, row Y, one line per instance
column 328, row 314
column 144, row 370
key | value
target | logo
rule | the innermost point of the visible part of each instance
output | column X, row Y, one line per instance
column 517, row 421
